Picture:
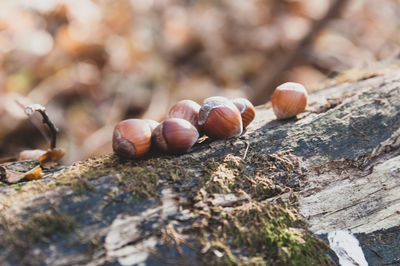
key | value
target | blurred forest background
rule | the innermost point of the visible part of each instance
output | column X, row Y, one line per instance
column 93, row 63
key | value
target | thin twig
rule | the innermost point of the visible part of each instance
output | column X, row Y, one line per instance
column 31, row 109
column 245, row 152
column 264, row 86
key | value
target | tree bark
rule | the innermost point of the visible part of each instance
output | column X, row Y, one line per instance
column 337, row 166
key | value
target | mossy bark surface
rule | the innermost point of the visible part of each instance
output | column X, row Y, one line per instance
column 334, row 167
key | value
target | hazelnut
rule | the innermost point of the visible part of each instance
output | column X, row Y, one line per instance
column 246, row 109
column 289, row 99
column 152, row 123
column 175, row 135
column 220, row 118
column 186, row 109
column 132, row 138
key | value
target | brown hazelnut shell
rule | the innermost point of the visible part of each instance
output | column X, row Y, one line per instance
column 131, row 138
column 152, row 123
column 186, row 109
column 175, row 135
column 246, row 109
column 220, row 118
column 289, row 100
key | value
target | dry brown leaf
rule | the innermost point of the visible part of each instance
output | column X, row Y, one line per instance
column 13, row 177
column 31, row 155
column 51, row 157
column 46, row 158
column 34, row 174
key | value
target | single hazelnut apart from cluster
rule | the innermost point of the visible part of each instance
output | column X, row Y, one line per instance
column 186, row 109
column 220, row 118
column 289, row 100
column 131, row 138
column 246, row 109
column 175, row 135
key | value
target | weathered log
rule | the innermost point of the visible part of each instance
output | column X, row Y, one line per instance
column 337, row 166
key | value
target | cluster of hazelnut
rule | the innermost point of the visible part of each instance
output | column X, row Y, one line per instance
column 218, row 118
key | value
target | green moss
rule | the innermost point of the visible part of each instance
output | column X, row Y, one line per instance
column 141, row 182
column 172, row 172
column 80, row 185
column 17, row 186
column 88, row 169
column 21, row 235
column 223, row 176
column 251, row 233
column 257, row 232
column 140, row 177
column 41, row 226
column 262, row 233
column 267, row 179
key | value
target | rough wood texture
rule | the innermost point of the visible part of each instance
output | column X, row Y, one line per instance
column 339, row 163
